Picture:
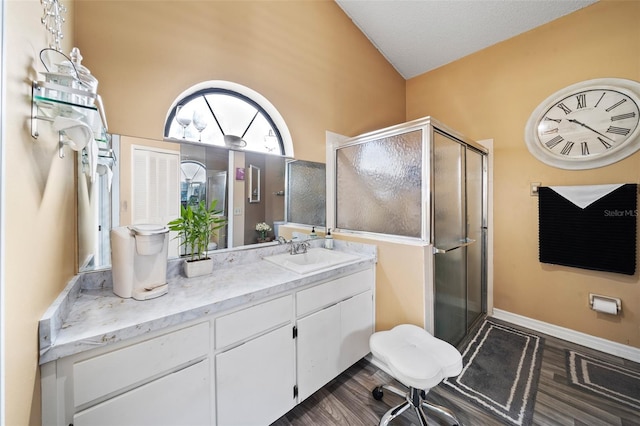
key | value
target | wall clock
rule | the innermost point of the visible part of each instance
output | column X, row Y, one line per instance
column 586, row 125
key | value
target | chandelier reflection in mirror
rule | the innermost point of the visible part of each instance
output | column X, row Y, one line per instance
column 222, row 117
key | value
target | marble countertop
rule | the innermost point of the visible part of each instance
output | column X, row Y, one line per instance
column 87, row 314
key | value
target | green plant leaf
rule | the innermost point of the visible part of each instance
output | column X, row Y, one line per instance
column 196, row 225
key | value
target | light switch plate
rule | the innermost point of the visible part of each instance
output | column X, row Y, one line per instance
column 534, row 188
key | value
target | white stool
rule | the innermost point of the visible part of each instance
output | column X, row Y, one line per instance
column 417, row 360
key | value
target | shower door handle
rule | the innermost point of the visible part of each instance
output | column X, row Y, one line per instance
column 464, row 243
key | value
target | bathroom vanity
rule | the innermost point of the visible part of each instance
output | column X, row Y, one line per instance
column 239, row 347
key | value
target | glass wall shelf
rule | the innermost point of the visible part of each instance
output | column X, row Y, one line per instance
column 50, row 100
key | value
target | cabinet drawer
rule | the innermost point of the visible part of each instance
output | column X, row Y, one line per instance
column 251, row 321
column 138, row 363
column 332, row 292
column 181, row 398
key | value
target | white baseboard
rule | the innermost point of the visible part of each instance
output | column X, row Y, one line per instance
column 618, row 349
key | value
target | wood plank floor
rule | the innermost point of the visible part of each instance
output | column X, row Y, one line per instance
column 347, row 400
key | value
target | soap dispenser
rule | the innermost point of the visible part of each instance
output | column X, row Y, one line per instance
column 313, row 234
column 328, row 240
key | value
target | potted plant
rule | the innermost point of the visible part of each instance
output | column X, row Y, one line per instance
column 195, row 226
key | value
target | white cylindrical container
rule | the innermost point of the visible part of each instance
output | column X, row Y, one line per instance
column 149, row 238
column 139, row 261
column 122, row 253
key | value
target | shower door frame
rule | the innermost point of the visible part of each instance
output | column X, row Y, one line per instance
column 427, row 125
column 430, row 293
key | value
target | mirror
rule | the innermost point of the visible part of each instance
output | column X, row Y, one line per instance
column 96, row 211
column 249, row 187
column 206, row 173
column 193, row 180
column 204, row 177
column 254, row 184
column 306, row 193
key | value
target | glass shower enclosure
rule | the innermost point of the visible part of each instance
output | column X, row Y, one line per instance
column 423, row 182
column 458, row 235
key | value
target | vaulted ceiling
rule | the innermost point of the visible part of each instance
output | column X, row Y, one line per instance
column 417, row 36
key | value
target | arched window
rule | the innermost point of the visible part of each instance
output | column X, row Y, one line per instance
column 193, row 181
column 222, row 113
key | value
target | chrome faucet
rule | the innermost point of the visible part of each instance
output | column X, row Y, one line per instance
column 295, row 247
column 299, row 247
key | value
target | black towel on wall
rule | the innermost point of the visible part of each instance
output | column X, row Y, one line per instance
column 602, row 236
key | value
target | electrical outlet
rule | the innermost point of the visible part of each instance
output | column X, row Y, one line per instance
column 237, row 211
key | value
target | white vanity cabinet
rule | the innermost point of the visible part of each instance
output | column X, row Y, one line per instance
column 334, row 323
column 284, row 365
column 255, row 376
column 244, row 365
column 164, row 379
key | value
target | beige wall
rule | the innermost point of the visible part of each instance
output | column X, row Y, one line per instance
column 306, row 57
column 40, row 212
column 491, row 94
column 400, row 283
column 322, row 74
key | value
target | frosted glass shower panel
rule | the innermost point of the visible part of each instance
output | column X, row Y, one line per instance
column 379, row 185
column 306, row 193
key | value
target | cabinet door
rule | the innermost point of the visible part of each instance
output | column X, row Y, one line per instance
column 254, row 381
column 181, row 398
column 356, row 326
column 318, row 350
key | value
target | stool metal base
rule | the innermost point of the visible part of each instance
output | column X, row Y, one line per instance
column 414, row 398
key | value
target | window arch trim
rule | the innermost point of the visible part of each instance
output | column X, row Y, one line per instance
column 234, row 89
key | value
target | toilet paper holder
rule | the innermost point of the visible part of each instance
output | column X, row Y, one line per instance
column 617, row 300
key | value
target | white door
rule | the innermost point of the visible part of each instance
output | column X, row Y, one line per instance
column 155, row 188
column 318, row 350
column 254, row 381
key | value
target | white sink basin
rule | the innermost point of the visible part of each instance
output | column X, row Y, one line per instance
column 313, row 260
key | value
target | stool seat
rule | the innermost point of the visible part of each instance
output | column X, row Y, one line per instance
column 419, row 361
column 414, row 357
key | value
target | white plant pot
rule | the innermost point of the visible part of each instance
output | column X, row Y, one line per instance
column 198, row 268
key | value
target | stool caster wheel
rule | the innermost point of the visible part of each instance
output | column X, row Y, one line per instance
column 377, row 393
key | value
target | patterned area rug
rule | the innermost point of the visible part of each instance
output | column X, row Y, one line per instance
column 602, row 378
column 501, row 368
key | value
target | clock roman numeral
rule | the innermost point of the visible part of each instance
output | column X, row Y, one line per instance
column 567, row 148
column 564, row 108
column 617, row 104
column 557, row 120
column 623, row 116
column 550, row 131
column 598, row 103
column 582, row 101
column 585, row 148
column 551, row 143
column 606, row 144
column 618, row 130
